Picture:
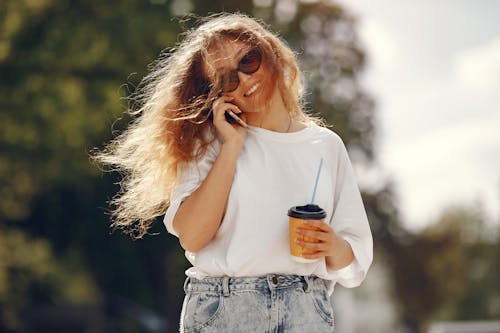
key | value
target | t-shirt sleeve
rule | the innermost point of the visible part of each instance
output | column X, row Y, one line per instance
column 190, row 176
column 349, row 220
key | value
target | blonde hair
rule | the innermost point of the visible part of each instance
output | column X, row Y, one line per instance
column 173, row 105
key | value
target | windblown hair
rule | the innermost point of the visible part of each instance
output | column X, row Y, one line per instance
column 172, row 109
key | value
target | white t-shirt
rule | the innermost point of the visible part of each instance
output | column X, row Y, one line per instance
column 274, row 172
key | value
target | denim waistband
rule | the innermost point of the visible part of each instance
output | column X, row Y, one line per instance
column 225, row 284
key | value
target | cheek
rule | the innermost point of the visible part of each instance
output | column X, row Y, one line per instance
column 270, row 84
column 265, row 93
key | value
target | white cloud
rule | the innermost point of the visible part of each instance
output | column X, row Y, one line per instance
column 479, row 68
column 381, row 45
column 443, row 141
column 436, row 82
column 455, row 164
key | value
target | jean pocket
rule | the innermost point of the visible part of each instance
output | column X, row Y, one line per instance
column 322, row 304
column 202, row 309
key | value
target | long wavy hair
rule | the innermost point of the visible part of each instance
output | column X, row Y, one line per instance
column 172, row 116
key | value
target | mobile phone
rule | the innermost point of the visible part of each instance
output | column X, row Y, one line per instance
column 232, row 118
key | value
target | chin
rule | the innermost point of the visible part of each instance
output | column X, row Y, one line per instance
column 256, row 108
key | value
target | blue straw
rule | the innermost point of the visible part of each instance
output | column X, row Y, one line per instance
column 317, row 178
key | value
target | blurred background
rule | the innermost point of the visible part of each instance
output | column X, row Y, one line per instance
column 412, row 88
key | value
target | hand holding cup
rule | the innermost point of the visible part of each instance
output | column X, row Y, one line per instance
column 317, row 239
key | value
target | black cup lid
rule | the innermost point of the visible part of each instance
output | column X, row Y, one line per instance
column 309, row 211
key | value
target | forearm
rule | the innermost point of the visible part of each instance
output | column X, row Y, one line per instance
column 342, row 255
column 199, row 216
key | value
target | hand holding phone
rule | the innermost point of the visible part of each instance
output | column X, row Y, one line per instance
column 232, row 118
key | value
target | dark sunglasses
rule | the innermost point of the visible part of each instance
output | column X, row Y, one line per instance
column 248, row 64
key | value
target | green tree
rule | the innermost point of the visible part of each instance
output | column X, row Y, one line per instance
column 62, row 67
column 464, row 271
column 448, row 271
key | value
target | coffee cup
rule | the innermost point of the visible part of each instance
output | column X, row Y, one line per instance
column 297, row 214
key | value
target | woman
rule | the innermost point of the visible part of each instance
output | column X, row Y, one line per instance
column 228, row 185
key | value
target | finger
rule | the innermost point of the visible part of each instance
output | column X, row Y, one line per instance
column 321, row 235
column 315, row 255
column 312, row 246
column 221, row 109
column 219, row 101
column 318, row 224
column 222, row 100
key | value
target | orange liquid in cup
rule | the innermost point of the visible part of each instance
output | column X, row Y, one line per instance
column 297, row 215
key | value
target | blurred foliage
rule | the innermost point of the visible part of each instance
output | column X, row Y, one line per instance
column 463, row 265
column 448, row 271
column 65, row 67
column 30, row 273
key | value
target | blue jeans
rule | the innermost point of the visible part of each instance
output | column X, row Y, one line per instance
column 273, row 303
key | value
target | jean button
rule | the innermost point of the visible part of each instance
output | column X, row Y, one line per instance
column 275, row 280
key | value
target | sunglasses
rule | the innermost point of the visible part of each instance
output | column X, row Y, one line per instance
column 248, row 64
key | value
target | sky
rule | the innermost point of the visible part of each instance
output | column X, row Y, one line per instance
column 434, row 71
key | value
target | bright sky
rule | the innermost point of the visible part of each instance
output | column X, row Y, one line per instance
column 434, row 71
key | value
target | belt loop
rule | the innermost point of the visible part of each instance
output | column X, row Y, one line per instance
column 309, row 282
column 186, row 282
column 225, row 286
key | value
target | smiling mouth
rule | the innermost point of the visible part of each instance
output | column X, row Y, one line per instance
column 252, row 89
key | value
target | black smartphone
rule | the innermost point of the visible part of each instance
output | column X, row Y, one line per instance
column 232, row 118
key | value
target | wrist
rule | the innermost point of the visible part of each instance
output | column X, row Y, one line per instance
column 232, row 147
column 342, row 256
